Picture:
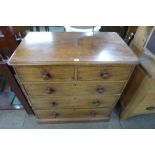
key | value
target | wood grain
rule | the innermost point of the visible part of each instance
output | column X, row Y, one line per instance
column 73, row 76
column 46, row 48
column 35, row 73
column 74, row 113
column 138, row 95
column 140, row 39
column 129, row 97
column 148, row 64
column 74, row 88
column 73, row 102
column 115, row 73
column 135, row 81
column 72, row 120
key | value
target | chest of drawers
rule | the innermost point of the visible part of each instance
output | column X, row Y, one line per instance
column 71, row 77
column 139, row 95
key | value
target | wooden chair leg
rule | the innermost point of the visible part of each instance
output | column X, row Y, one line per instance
column 6, row 72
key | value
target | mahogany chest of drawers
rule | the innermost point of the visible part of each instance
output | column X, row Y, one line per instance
column 71, row 77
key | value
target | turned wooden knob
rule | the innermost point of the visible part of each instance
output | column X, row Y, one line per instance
column 93, row 113
column 150, row 108
column 96, row 103
column 104, row 75
column 55, row 114
column 50, row 90
column 46, row 75
column 53, row 104
column 100, row 89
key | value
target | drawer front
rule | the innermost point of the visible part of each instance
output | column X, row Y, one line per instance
column 147, row 105
column 73, row 113
column 148, row 109
column 74, row 102
column 148, row 100
column 151, row 87
column 45, row 73
column 62, row 89
column 104, row 73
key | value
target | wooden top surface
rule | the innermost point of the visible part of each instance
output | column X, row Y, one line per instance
column 45, row 48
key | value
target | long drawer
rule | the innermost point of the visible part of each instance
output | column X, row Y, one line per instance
column 73, row 113
column 45, row 73
column 73, row 102
column 104, row 73
column 75, row 88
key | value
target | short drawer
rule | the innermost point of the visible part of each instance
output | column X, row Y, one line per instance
column 104, row 73
column 45, row 73
column 73, row 102
column 73, row 113
column 63, row 89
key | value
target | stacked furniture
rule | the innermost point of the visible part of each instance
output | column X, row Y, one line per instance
column 70, row 77
column 7, row 41
column 139, row 95
column 121, row 30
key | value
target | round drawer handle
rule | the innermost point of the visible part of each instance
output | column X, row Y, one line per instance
column 100, row 89
column 96, row 103
column 53, row 104
column 104, row 75
column 46, row 75
column 55, row 114
column 50, row 90
column 150, row 108
column 93, row 113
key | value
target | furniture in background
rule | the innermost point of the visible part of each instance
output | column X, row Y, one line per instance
column 7, row 45
column 126, row 32
column 121, row 30
column 82, row 28
column 131, row 29
column 130, row 33
column 140, row 38
column 139, row 95
column 71, row 77
column 129, row 38
column 6, row 71
column 7, row 41
column 46, row 28
column 21, row 31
